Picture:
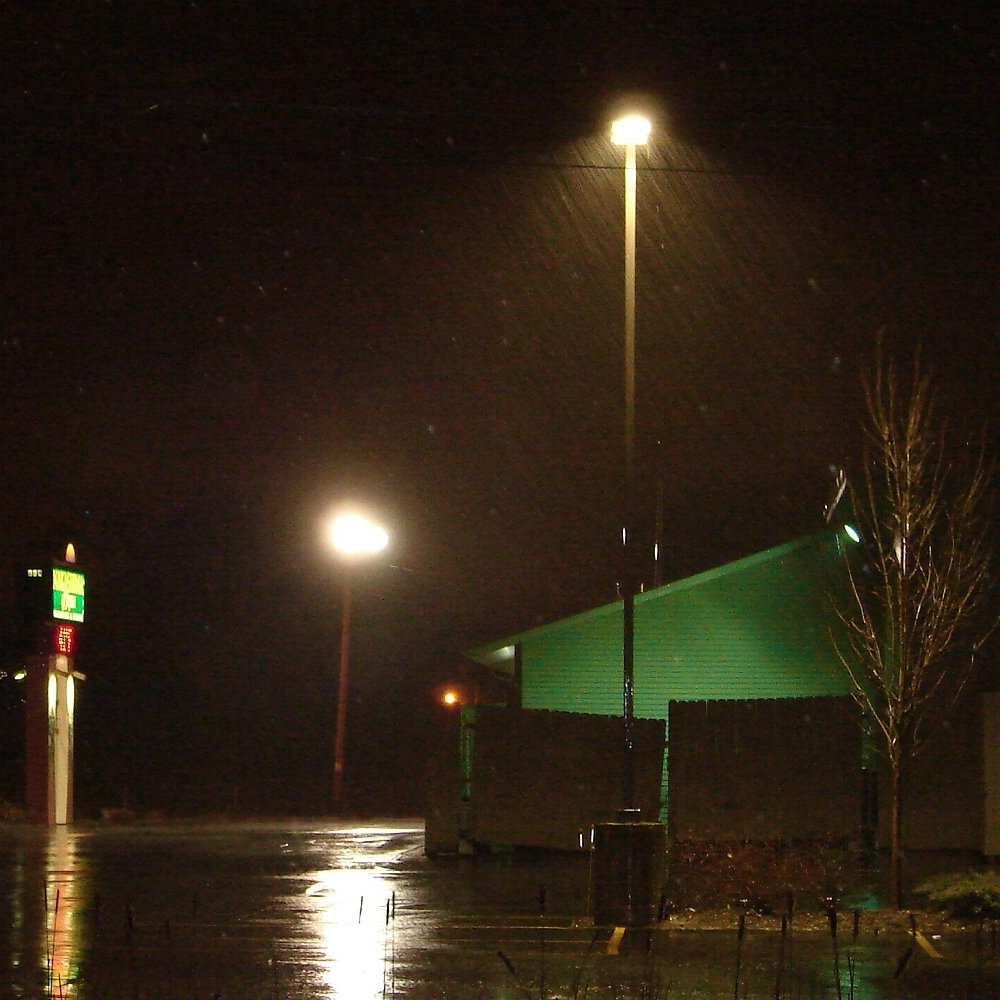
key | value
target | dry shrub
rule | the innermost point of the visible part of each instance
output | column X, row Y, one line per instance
column 759, row 876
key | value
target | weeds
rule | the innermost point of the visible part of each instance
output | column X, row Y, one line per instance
column 965, row 894
column 757, row 876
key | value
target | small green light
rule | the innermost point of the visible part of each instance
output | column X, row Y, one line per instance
column 852, row 533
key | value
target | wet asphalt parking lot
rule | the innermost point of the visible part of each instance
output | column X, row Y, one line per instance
column 269, row 910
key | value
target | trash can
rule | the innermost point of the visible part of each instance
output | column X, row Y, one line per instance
column 625, row 869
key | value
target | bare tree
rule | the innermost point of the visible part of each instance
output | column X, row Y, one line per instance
column 914, row 618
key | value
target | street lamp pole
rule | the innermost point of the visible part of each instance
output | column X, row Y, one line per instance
column 627, row 853
column 345, row 657
column 352, row 536
column 629, row 132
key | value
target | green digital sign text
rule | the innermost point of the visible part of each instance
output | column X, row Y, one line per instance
column 67, row 594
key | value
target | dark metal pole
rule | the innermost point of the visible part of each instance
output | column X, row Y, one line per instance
column 628, row 594
column 658, row 542
column 345, row 655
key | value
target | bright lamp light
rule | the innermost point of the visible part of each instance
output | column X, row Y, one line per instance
column 630, row 131
column 354, row 535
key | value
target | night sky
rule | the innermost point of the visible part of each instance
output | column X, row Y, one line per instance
column 259, row 259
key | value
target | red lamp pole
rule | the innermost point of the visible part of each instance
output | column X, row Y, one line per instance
column 345, row 658
column 352, row 536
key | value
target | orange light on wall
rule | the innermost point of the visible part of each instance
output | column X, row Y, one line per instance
column 450, row 698
column 65, row 639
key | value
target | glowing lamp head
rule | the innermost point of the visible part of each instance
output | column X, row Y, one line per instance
column 353, row 535
column 852, row 533
column 632, row 130
column 450, row 698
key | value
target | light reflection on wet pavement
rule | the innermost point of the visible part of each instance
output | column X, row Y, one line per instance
column 266, row 910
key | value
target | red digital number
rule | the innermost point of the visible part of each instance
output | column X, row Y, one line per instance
column 65, row 639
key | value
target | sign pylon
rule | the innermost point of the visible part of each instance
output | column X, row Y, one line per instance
column 51, row 598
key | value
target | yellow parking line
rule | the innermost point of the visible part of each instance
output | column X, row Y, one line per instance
column 615, row 940
column 927, row 946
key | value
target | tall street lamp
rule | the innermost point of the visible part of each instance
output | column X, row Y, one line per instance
column 353, row 537
column 628, row 854
column 629, row 132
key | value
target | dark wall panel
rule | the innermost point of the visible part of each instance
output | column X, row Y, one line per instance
column 443, row 782
column 540, row 779
column 943, row 785
column 764, row 769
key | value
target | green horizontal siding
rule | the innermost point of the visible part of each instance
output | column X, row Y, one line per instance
column 575, row 669
column 760, row 632
column 757, row 628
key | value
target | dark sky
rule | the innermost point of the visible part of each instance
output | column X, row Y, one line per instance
column 262, row 258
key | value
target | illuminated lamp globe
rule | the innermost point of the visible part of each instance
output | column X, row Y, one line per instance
column 354, row 535
column 450, row 698
column 632, row 130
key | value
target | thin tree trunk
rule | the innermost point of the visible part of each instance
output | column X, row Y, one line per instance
column 896, row 874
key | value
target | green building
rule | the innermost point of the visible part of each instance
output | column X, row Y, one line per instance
column 738, row 669
column 762, row 627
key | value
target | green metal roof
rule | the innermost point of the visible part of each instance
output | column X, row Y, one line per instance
column 759, row 627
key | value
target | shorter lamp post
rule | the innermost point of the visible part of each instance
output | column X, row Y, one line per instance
column 353, row 537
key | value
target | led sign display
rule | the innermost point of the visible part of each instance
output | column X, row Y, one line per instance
column 65, row 639
column 67, row 594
